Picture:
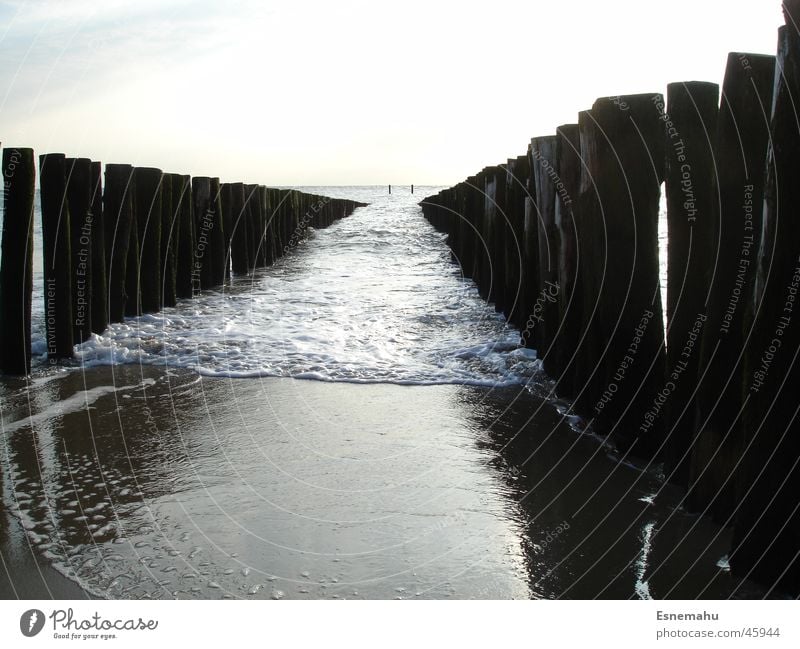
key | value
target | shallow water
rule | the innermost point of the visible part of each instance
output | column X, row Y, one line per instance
column 423, row 463
column 373, row 298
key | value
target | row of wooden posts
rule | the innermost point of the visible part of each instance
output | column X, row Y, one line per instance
column 564, row 241
column 134, row 244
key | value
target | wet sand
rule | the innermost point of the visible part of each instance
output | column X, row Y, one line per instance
column 142, row 482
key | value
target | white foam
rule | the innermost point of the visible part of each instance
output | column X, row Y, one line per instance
column 373, row 299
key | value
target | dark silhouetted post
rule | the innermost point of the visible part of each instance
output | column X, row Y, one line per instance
column 16, row 265
column 57, row 256
column 99, row 278
column 219, row 234
column 544, row 169
column 742, row 139
column 170, row 233
column 568, row 154
column 186, row 243
column 690, row 125
column 239, row 244
column 766, row 540
column 625, row 164
column 119, row 231
column 79, row 197
column 148, row 218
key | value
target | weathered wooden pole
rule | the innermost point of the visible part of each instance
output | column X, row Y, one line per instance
column 133, row 278
column 530, row 253
column 263, row 258
column 468, row 217
column 239, row 239
column 482, row 268
column 272, row 225
column 568, row 154
column 691, row 182
column 252, row 209
column 228, row 219
column 202, row 269
column 766, row 541
column 170, row 233
column 742, row 139
column 187, row 242
column 16, row 265
column 544, row 314
column 490, row 226
column 625, row 161
column 517, row 170
column 79, row 199
column 57, row 256
column 99, row 311
column 148, row 218
column 219, row 235
column 500, row 239
column 120, row 234
column 280, row 220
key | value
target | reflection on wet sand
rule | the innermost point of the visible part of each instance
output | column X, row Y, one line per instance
column 140, row 483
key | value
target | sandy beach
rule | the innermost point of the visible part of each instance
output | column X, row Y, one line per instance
column 146, row 483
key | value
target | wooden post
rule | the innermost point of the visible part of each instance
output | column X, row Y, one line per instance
column 690, row 125
column 239, row 243
column 544, row 315
column 148, row 218
column 57, row 256
column 742, row 139
column 219, row 235
column 272, row 230
column 466, row 208
column 205, row 224
column 625, row 162
column 568, row 154
column 517, row 171
column 79, row 199
column 766, row 542
column 500, row 239
column 16, row 265
column 530, row 253
column 252, row 209
column 187, row 242
column 99, row 313
column 263, row 259
column 120, row 234
column 491, row 229
column 170, row 233
column 483, row 272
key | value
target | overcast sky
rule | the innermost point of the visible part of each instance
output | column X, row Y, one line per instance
column 342, row 92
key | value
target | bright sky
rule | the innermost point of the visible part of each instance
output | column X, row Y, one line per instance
column 338, row 92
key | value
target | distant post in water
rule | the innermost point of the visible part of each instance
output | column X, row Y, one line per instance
column 57, row 256
column 16, row 265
